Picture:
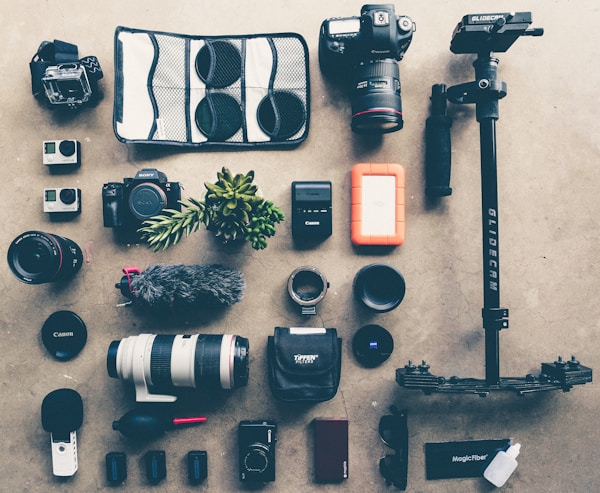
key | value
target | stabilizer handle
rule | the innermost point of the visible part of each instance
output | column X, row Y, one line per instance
column 438, row 146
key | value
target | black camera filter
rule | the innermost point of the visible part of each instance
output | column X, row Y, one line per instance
column 281, row 115
column 372, row 345
column 64, row 334
column 219, row 63
column 218, row 116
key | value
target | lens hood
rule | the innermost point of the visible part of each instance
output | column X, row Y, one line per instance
column 379, row 287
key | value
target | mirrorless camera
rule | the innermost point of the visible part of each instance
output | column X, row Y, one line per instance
column 257, row 450
column 365, row 50
column 62, row 200
column 126, row 205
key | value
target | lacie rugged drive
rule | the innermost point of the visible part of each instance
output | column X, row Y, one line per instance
column 330, row 449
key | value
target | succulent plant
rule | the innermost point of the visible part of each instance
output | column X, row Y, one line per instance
column 232, row 210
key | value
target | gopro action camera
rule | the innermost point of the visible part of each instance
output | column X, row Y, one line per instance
column 62, row 200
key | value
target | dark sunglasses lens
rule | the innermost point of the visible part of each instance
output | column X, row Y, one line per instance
column 392, row 470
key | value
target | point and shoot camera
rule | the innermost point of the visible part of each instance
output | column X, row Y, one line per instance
column 127, row 205
column 256, row 440
column 366, row 50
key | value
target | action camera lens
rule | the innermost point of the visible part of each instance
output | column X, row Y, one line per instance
column 35, row 257
column 67, row 195
column 376, row 102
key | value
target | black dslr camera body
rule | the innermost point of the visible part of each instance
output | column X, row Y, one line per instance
column 127, row 205
column 365, row 50
column 257, row 451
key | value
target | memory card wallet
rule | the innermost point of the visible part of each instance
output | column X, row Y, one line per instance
column 304, row 363
column 197, row 91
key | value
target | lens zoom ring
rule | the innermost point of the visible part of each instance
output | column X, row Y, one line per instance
column 160, row 360
column 380, row 68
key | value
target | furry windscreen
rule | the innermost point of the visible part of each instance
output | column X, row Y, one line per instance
column 168, row 286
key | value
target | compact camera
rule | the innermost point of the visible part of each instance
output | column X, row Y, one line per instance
column 365, row 50
column 62, row 200
column 257, row 451
column 61, row 152
column 127, row 205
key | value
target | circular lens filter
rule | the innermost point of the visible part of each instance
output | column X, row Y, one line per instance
column 218, row 116
column 219, row 63
column 64, row 334
column 281, row 115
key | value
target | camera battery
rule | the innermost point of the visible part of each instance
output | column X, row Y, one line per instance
column 330, row 449
column 311, row 209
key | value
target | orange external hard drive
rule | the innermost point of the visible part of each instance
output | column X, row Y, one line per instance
column 377, row 204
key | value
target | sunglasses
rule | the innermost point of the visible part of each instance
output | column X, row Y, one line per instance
column 393, row 431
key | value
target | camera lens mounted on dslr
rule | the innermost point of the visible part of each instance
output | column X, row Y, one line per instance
column 365, row 49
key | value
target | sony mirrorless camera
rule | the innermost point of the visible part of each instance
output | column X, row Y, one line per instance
column 257, row 451
column 365, row 50
column 127, row 205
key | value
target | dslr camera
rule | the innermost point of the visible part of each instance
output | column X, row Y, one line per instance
column 257, row 451
column 366, row 50
column 127, row 205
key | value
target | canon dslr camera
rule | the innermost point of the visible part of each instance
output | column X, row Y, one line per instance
column 127, row 205
column 365, row 50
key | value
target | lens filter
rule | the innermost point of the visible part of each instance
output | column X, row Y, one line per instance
column 218, row 116
column 281, row 115
column 219, row 63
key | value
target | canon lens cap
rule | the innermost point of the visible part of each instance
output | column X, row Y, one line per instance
column 64, row 334
column 372, row 345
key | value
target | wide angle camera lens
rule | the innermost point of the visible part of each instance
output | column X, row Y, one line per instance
column 376, row 101
column 35, row 257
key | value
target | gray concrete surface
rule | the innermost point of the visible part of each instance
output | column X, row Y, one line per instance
column 548, row 152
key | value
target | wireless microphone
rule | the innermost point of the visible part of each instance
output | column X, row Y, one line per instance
column 62, row 415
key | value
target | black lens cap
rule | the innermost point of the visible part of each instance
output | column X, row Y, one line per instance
column 372, row 345
column 64, row 334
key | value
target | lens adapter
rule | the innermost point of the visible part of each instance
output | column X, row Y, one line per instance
column 35, row 257
column 307, row 286
column 380, row 287
column 376, row 102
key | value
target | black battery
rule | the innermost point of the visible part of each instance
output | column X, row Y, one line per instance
column 311, row 209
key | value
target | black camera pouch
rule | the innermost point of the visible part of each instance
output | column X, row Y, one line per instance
column 222, row 91
column 304, row 363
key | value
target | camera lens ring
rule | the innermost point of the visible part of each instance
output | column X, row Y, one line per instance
column 258, row 451
column 376, row 101
column 147, row 200
column 307, row 286
column 35, row 257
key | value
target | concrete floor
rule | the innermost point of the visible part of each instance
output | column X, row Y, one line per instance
column 548, row 154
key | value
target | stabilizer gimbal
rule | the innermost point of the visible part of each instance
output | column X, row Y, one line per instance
column 482, row 35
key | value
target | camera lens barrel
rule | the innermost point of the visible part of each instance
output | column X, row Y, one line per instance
column 376, row 101
column 35, row 257
column 160, row 363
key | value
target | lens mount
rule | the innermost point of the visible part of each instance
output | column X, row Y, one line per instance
column 147, row 200
column 307, row 286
